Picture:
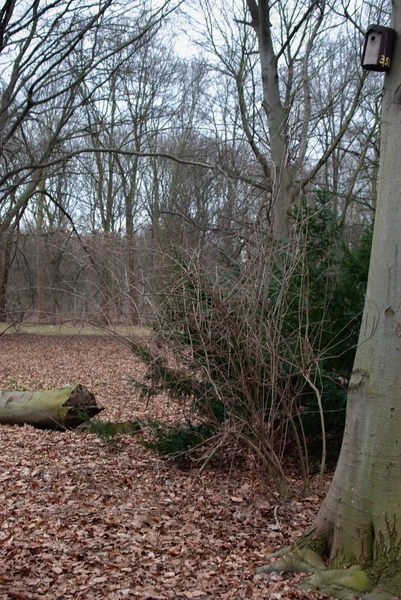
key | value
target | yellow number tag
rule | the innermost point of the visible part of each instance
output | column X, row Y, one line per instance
column 385, row 61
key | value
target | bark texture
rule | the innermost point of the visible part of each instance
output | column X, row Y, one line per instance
column 359, row 523
column 361, row 517
column 62, row 408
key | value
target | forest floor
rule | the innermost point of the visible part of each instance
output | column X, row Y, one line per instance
column 81, row 518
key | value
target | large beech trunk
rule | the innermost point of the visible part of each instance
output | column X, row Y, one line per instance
column 66, row 407
column 361, row 517
column 360, row 520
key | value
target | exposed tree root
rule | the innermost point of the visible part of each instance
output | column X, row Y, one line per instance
column 297, row 560
column 340, row 583
column 345, row 584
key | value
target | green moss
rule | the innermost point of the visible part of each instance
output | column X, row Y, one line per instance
column 356, row 579
column 380, row 581
column 340, row 583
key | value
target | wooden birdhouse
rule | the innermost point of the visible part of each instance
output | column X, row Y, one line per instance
column 378, row 48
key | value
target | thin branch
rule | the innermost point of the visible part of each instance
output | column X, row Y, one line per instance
column 309, row 176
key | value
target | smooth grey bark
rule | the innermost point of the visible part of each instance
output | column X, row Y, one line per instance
column 366, row 490
column 360, row 520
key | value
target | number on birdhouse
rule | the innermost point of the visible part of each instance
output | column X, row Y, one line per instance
column 378, row 48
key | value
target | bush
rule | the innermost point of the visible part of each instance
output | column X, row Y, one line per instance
column 175, row 441
column 266, row 344
column 335, row 279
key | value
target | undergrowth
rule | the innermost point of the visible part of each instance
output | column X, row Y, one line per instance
column 260, row 350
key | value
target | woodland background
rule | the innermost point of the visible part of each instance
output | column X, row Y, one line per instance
column 130, row 128
column 211, row 177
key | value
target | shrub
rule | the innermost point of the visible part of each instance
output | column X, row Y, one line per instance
column 264, row 344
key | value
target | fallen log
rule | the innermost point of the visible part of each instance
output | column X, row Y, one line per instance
column 63, row 408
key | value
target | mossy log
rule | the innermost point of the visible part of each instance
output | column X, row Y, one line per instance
column 63, row 408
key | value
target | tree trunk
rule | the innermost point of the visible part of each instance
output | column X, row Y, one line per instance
column 276, row 118
column 360, row 520
column 62, row 408
column 5, row 265
column 40, row 255
column 131, row 270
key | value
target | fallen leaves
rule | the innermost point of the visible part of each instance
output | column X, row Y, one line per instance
column 80, row 519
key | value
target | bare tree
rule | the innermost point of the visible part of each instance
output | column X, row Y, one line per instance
column 52, row 56
column 298, row 90
column 56, row 58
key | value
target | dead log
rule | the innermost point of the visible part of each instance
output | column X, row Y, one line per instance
column 61, row 408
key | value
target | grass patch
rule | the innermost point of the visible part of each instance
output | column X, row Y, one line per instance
column 85, row 330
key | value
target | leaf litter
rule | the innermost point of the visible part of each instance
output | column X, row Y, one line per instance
column 84, row 519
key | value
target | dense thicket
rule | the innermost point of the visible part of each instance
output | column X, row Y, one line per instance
column 261, row 351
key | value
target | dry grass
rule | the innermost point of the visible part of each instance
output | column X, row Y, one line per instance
column 68, row 329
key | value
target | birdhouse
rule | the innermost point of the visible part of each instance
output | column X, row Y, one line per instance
column 378, row 48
